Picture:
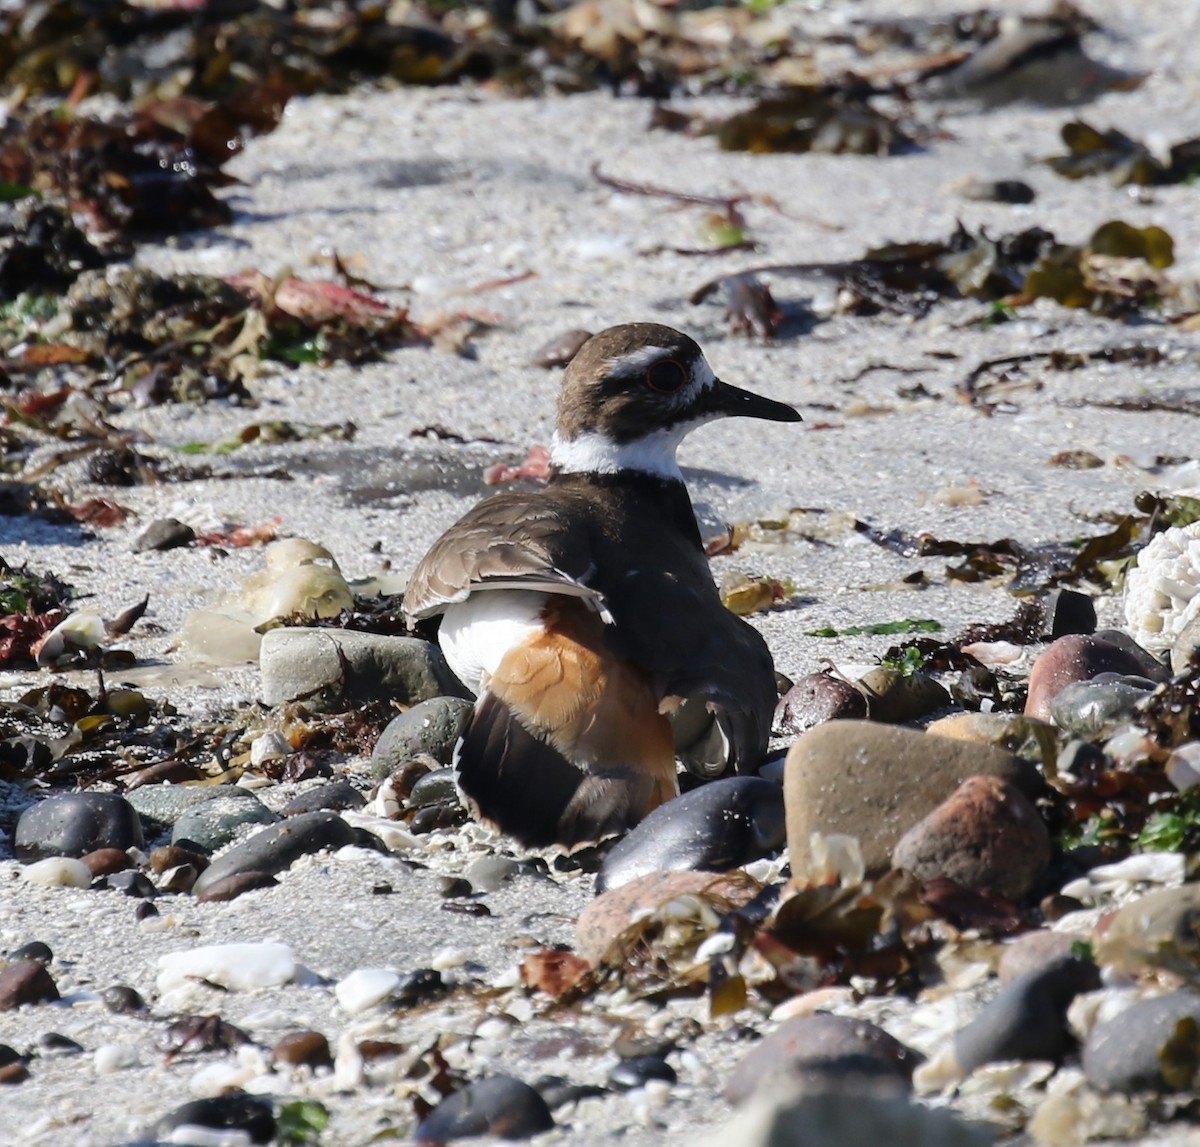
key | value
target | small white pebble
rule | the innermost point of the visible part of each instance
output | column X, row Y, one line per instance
column 447, row 958
column 365, row 987
column 59, row 871
column 112, row 1057
column 269, row 746
column 218, row 1078
column 494, row 1027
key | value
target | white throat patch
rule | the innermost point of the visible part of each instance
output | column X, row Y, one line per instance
column 596, row 453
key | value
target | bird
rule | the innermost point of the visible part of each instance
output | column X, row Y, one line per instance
column 584, row 616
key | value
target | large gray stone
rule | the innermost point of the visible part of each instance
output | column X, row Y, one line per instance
column 214, row 823
column 1126, row 1053
column 432, row 727
column 327, row 667
column 72, row 824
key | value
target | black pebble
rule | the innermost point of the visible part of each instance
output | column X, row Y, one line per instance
column 233, row 1111
column 163, row 534
column 418, row 985
column 121, row 999
column 53, row 1043
column 499, row 1105
column 131, row 882
column 640, row 1070
column 72, row 824
column 34, row 950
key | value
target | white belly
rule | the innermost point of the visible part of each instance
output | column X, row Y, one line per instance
column 476, row 634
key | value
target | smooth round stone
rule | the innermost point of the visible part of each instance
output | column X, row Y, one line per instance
column 1089, row 708
column 431, row 727
column 875, row 782
column 489, row 872
column 1069, row 659
column 160, row 806
column 712, row 828
column 986, row 836
column 499, row 1105
column 1132, row 1051
column 72, row 824
column 894, row 697
column 54, row 1043
column 234, row 1111
column 238, row 967
column 639, row 1071
column 26, row 982
column 104, row 861
column 121, row 999
column 307, row 1048
column 215, row 822
column 326, row 667
column 168, row 856
column 822, row 1052
column 335, row 795
column 815, row 699
column 272, row 850
column 59, row 871
column 365, row 988
column 436, row 787
column 1028, row 1019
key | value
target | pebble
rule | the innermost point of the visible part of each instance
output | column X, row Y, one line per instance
column 237, row 967
column 894, row 697
column 489, row 872
column 59, row 871
column 432, row 727
column 34, row 950
column 213, row 823
column 160, row 806
column 168, row 856
column 130, row 882
column 103, row 861
column 234, row 1111
column 821, row 1053
column 1071, row 658
column 1028, row 1019
column 307, row 1048
column 1015, row 191
column 121, row 999
column 335, row 795
column 815, row 699
column 232, row 886
column 499, row 1105
column 164, row 534
column 434, row 788
column 712, row 828
column 987, row 836
column 328, row 667
column 1003, row 730
column 604, row 920
column 113, row 1057
column 1183, row 766
column 54, row 1043
column 72, row 824
column 561, row 349
column 364, row 988
column 1101, row 705
column 874, row 783
column 1134, row 1052
column 26, row 982
column 640, row 1070
column 272, row 850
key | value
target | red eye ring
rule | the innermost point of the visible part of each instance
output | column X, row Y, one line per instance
column 666, row 376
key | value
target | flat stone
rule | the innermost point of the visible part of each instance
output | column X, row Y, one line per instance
column 433, row 727
column 986, row 836
column 712, row 828
column 1075, row 657
column 213, row 823
column 160, row 806
column 164, row 534
column 333, row 795
column 72, row 824
column 1132, row 1051
column 817, row 1052
column 875, row 782
column 274, row 849
column 328, row 667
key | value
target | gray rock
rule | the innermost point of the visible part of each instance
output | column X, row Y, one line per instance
column 276, row 848
column 433, row 788
column 160, row 806
column 499, row 1105
column 163, row 534
column 874, row 782
column 72, row 824
column 822, row 1053
column 213, row 823
column 433, row 727
column 488, row 872
column 1028, row 1019
column 713, row 828
column 1089, row 708
column 332, row 795
column 327, row 667
column 640, row 1070
column 1126, row 1053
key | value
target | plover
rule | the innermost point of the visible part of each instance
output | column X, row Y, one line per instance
column 585, row 617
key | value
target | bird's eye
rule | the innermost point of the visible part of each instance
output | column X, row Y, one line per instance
column 666, row 376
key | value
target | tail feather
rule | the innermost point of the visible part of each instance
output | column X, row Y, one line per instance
column 529, row 790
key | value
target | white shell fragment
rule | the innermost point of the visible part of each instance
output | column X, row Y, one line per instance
column 366, row 987
column 238, row 967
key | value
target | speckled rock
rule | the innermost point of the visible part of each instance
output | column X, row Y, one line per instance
column 212, row 824
column 26, row 982
column 815, row 699
column 986, row 836
column 72, row 824
column 274, row 849
column 609, row 915
column 160, row 806
column 1133, row 1050
column 1075, row 657
column 713, row 828
column 819, row 1053
column 894, row 697
column 875, row 782
column 432, row 727
column 499, row 1105
column 333, row 795
column 1028, row 1019
column 329, row 666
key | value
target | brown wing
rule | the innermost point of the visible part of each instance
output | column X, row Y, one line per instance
column 511, row 541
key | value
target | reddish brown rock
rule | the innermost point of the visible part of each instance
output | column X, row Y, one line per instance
column 1076, row 657
column 26, row 982
column 232, row 886
column 611, row 913
column 310, row 1048
column 104, row 861
column 987, row 836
